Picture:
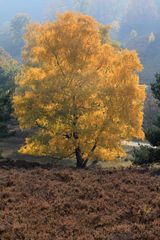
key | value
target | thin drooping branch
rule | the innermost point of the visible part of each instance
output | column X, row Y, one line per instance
column 44, row 128
column 95, row 143
column 58, row 64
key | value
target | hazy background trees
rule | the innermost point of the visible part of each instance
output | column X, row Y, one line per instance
column 11, row 35
column 142, row 16
column 8, row 70
column 135, row 24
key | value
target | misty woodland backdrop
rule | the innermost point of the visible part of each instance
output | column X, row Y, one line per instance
column 135, row 23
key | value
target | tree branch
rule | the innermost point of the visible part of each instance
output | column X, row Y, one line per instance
column 58, row 63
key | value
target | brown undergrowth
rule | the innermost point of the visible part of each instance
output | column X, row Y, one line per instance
column 95, row 204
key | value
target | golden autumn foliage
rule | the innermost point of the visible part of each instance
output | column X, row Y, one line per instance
column 82, row 97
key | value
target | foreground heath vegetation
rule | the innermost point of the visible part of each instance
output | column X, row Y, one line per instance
column 81, row 95
column 59, row 204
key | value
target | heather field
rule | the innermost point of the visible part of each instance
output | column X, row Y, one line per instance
column 92, row 204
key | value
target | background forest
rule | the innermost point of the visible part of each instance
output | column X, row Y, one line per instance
column 135, row 24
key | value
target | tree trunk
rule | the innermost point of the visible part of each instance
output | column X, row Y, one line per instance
column 81, row 163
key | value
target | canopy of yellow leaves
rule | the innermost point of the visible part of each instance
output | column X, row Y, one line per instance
column 77, row 91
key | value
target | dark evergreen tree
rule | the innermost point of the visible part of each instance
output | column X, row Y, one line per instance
column 148, row 155
column 8, row 69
